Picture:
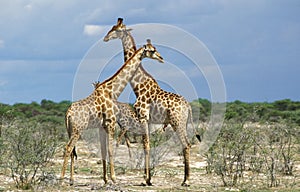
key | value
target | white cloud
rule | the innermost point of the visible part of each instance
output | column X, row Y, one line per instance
column 28, row 7
column 93, row 30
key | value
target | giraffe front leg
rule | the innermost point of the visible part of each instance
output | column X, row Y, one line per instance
column 146, row 144
column 103, row 142
column 143, row 112
column 111, row 159
column 104, row 171
column 110, row 124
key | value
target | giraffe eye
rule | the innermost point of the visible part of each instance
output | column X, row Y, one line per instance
column 152, row 50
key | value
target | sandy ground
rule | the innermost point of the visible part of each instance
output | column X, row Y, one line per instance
column 167, row 175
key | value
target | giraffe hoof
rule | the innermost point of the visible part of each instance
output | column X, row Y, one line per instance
column 71, row 182
column 146, row 184
column 185, row 184
column 61, row 181
column 105, row 181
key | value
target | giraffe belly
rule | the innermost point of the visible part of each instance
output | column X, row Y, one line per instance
column 158, row 113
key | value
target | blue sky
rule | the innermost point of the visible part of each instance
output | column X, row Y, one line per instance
column 255, row 43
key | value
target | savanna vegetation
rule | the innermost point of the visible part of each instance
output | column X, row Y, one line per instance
column 257, row 149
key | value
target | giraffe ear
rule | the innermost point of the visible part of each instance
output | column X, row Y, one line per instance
column 128, row 29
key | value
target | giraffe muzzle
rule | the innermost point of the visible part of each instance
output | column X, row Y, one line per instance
column 106, row 39
column 160, row 59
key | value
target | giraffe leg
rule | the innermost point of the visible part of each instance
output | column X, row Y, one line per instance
column 127, row 140
column 144, row 119
column 128, row 144
column 146, row 144
column 68, row 151
column 72, row 168
column 147, row 159
column 110, row 155
column 110, row 123
column 64, row 167
column 103, row 141
column 122, row 133
column 182, row 135
column 186, row 154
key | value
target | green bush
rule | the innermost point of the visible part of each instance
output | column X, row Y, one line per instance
column 227, row 156
column 27, row 148
column 266, row 152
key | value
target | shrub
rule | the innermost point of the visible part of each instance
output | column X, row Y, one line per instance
column 27, row 149
column 227, row 156
column 266, row 152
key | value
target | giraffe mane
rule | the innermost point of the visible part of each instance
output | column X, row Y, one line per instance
column 116, row 74
column 96, row 84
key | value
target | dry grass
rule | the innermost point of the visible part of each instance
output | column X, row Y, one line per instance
column 167, row 176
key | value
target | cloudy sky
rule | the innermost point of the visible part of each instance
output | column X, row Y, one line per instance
column 256, row 45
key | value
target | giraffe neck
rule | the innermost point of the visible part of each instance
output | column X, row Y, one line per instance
column 129, row 46
column 141, row 76
column 119, row 80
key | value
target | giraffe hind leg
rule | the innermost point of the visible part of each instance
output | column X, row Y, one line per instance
column 72, row 167
column 68, row 153
column 122, row 133
column 182, row 135
column 186, row 154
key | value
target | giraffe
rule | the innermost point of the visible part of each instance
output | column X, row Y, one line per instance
column 100, row 107
column 154, row 105
column 126, row 119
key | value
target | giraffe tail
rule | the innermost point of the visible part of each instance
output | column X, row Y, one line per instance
column 191, row 121
column 69, row 129
column 74, row 153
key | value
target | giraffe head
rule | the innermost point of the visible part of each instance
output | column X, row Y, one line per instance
column 151, row 52
column 117, row 31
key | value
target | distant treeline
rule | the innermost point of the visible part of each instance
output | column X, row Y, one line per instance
column 276, row 111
